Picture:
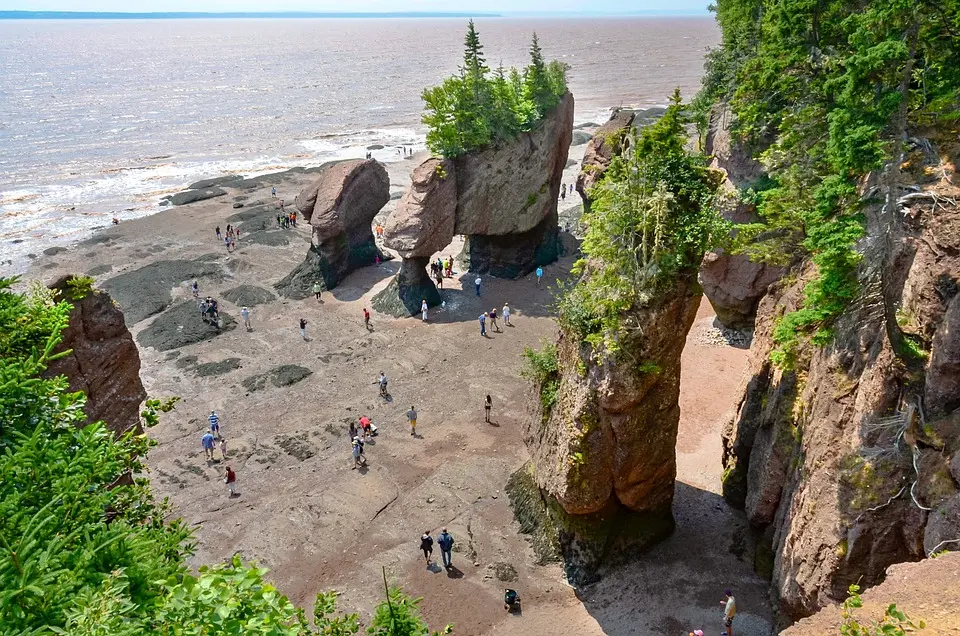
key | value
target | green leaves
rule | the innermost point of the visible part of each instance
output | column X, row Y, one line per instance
column 477, row 108
column 893, row 623
column 651, row 218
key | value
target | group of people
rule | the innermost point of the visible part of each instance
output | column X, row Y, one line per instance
column 492, row 317
column 441, row 268
column 212, row 440
column 229, row 237
column 286, row 219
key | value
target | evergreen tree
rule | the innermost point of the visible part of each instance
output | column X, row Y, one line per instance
column 537, row 80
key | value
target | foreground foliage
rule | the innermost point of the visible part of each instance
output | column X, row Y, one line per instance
column 893, row 623
column 831, row 91
column 478, row 107
column 651, row 218
column 84, row 547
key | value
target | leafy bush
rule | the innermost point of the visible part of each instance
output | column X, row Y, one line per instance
column 893, row 623
column 478, row 107
column 541, row 366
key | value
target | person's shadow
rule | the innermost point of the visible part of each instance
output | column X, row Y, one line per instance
column 493, row 423
column 454, row 573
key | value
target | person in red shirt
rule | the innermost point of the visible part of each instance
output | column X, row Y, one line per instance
column 366, row 318
column 230, row 479
column 365, row 426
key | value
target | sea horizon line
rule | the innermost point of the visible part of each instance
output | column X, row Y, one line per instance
column 193, row 15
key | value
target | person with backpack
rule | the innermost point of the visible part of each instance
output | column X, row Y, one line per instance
column 445, row 541
column 359, row 459
column 426, row 544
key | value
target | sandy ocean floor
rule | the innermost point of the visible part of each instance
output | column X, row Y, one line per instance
column 317, row 524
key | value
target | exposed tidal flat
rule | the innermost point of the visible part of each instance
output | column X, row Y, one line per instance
column 104, row 118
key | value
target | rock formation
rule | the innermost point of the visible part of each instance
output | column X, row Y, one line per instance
column 601, row 149
column 733, row 283
column 103, row 361
column 422, row 223
column 603, row 456
column 503, row 198
column 843, row 464
column 339, row 206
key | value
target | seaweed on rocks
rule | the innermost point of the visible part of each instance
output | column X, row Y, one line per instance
column 182, row 325
column 284, row 375
column 146, row 291
column 248, row 295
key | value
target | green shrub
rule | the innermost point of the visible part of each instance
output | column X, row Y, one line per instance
column 541, row 366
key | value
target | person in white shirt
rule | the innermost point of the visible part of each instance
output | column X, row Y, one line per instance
column 729, row 611
column 423, row 309
column 506, row 313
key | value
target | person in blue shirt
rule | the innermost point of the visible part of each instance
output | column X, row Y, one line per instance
column 445, row 541
column 539, row 275
column 214, row 424
column 208, row 441
column 483, row 324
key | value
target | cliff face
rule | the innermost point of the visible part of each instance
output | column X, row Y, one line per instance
column 103, row 363
column 339, row 206
column 843, row 464
column 604, row 455
column 733, row 283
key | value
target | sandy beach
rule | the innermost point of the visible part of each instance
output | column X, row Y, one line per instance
column 318, row 524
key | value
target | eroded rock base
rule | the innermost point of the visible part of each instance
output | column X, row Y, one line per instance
column 513, row 255
column 408, row 289
column 584, row 543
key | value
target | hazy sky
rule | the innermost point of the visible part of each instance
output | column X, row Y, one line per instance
column 512, row 6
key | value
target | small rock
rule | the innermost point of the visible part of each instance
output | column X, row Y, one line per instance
column 430, row 500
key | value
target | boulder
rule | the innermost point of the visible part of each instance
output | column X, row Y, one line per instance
column 580, row 138
column 601, row 149
column 103, row 361
column 203, row 184
column 734, row 286
column 339, row 206
column 423, row 221
column 248, row 295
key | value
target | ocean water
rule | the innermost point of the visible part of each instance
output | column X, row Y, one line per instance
column 102, row 118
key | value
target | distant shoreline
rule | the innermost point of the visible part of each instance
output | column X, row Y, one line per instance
column 181, row 15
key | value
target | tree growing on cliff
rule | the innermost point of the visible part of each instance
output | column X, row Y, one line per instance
column 831, row 91
column 652, row 218
column 477, row 107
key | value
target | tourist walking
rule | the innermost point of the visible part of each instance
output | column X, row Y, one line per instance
column 563, row 194
column 230, row 479
column 506, row 313
column 223, row 448
column 423, row 309
column 366, row 318
column 477, row 283
column 483, row 324
column 218, row 233
column 303, row 328
column 729, row 611
column 445, row 541
column 449, row 267
column 353, row 430
column 493, row 319
column 195, row 288
column 317, row 289
column 245, row 314
column 487, row 405
column 539, row 275
column 208, row 441
column 273, row 192
column 426, row 544
column 359, row 459
column 412, row 418
column 214, row 423
column 439, row 279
